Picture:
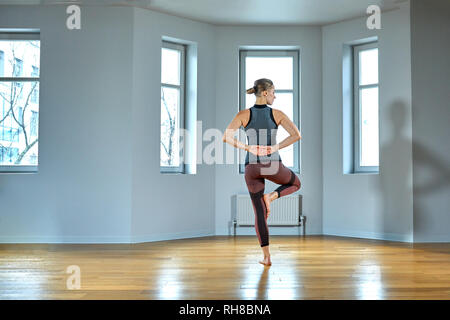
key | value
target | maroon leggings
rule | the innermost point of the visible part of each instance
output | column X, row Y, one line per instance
column 275, row 171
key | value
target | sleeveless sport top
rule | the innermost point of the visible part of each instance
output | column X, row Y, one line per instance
column 261, row 129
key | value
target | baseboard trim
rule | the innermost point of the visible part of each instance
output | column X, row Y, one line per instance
column 172, row 236
column 105, row 239
column 64, row 239
column 369, row 235
column 442, row 238
column 292, row 231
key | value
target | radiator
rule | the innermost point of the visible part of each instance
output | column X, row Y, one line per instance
column 285, row 211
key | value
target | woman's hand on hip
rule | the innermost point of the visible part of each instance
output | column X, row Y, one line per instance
column 253, row 149
column 260, row 150
column 265, row 150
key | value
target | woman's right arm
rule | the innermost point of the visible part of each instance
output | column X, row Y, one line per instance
column 234, row 125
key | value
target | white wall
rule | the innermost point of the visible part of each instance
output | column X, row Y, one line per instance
column 169, row 206
column 430, row 43
column 228, row 179
column 82, row 191
column 370, row 205
column 99, row 178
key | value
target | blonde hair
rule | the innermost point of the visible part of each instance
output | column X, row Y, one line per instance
column 260, row 85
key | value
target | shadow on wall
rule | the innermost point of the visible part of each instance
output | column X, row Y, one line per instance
column 432, row 179
column 396, row 185
column 395, row 176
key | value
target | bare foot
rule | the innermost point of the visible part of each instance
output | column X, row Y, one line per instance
column 266, row 261
column 268, row 198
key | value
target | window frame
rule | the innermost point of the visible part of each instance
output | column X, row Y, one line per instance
column 356, row 49
column 181, row 168
column 23, row 36
column 295, row 54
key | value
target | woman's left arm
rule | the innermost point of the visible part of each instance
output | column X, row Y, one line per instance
column 228, row 136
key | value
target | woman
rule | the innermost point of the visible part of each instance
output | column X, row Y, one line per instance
column 262, row 160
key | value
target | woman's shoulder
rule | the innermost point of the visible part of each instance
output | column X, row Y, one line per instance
column 278, row 115
column 244, row 115
column 244, row 112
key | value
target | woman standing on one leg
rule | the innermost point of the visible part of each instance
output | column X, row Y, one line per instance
column 262, row 160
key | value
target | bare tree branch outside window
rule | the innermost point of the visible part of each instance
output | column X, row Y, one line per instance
column 169, row 125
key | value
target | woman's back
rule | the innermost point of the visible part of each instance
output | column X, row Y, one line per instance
column 261, row 129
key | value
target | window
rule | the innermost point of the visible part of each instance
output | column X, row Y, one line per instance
column 35, row 93
column 19, row 78
column 35, row 71
column 17, row 67
column 8, row 131
column 2, row 63
column 365, row 107
column 34, row 123
column 17, row 72
column 282, row 68
column 172, row 107
column 20, row 118
column 8, row 155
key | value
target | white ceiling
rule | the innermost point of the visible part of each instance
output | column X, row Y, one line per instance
column 244, row 12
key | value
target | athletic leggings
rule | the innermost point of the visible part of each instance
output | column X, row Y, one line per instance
column 275, row 171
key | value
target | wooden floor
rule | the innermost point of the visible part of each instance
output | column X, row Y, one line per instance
column 220, row 267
